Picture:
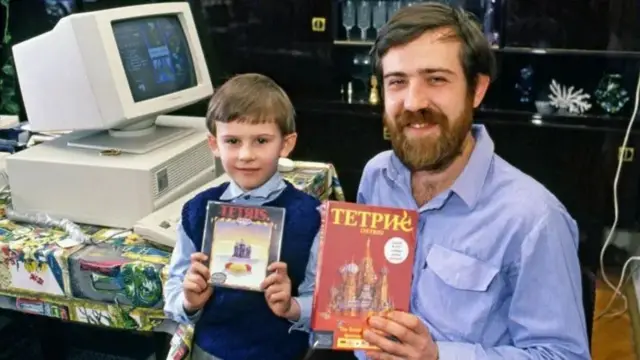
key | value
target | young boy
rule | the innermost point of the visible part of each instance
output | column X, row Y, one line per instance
column 251, row 121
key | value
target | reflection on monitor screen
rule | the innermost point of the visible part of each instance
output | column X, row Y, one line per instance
column 155, row 56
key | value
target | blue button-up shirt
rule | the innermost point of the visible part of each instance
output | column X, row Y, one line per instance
column 181, row 256
column 496, row 274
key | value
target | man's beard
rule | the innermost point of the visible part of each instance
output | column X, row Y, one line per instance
column 428, row 153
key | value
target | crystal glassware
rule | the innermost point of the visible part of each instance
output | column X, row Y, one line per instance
column 348, row 17
column 393, row 6
column 379, row 15
column 364, row 18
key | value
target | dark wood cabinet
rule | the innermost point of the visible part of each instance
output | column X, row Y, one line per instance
column 607, row 25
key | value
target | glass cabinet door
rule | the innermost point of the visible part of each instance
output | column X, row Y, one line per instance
column 603, row 25
column 360, row 20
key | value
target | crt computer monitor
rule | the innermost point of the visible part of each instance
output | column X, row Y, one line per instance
column 114, row 70
column 106, row 76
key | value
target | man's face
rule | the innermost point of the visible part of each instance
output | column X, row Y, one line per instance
column 428, row 105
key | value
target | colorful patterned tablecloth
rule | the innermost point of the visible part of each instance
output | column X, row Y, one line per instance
column 114, row 282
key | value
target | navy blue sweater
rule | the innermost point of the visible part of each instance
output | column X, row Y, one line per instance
column 237, row 324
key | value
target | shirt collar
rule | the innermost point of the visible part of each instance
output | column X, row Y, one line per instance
column 274, row 184
column 468, row 186
column 470, row 182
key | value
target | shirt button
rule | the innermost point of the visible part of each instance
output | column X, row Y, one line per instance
column 247, row 197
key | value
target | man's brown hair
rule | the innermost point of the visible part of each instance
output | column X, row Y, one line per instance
column 409, row 23
column 252, row 98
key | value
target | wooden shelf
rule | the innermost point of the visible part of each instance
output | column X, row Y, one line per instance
column 523, row 50
column 577, row 52
column 367, row 43
column 488, row 116
column 352, row 43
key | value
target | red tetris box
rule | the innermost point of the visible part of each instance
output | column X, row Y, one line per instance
column 365, row 265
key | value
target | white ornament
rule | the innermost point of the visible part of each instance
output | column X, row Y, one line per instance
column 576, row 102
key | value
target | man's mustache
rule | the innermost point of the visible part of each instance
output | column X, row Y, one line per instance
column 428, row 117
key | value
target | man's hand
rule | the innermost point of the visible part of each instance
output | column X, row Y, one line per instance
column 195, row 286
column 414, row 340
column 277, row 292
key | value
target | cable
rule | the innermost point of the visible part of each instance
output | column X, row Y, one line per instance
column 616, row 210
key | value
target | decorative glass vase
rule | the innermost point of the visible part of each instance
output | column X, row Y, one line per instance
column 610, row 95
column 524, row 86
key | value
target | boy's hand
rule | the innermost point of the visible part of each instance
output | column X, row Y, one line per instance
column 196, row 286
column 277, row 291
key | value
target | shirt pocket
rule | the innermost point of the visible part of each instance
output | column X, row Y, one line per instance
column 460, row 271
column 455, row 292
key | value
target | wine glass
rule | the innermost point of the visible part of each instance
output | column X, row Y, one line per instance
column 393, row 7
column 364, row 18
column 379, row 15
column 348, row 17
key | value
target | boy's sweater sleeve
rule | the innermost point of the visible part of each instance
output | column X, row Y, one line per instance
column 173, row 294
column 305, row 290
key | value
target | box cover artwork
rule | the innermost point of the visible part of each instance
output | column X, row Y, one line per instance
column 241, row 242
column 364, row 268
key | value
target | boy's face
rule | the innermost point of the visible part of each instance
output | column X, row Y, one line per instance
column 250, row 152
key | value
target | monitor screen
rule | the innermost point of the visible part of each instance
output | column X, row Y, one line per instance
column 155, row 56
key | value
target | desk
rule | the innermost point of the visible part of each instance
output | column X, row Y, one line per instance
column 115, row 282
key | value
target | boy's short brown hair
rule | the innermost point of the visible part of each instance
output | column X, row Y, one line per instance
column 252, row 98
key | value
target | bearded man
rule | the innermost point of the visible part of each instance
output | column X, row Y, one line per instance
column 496, row 274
